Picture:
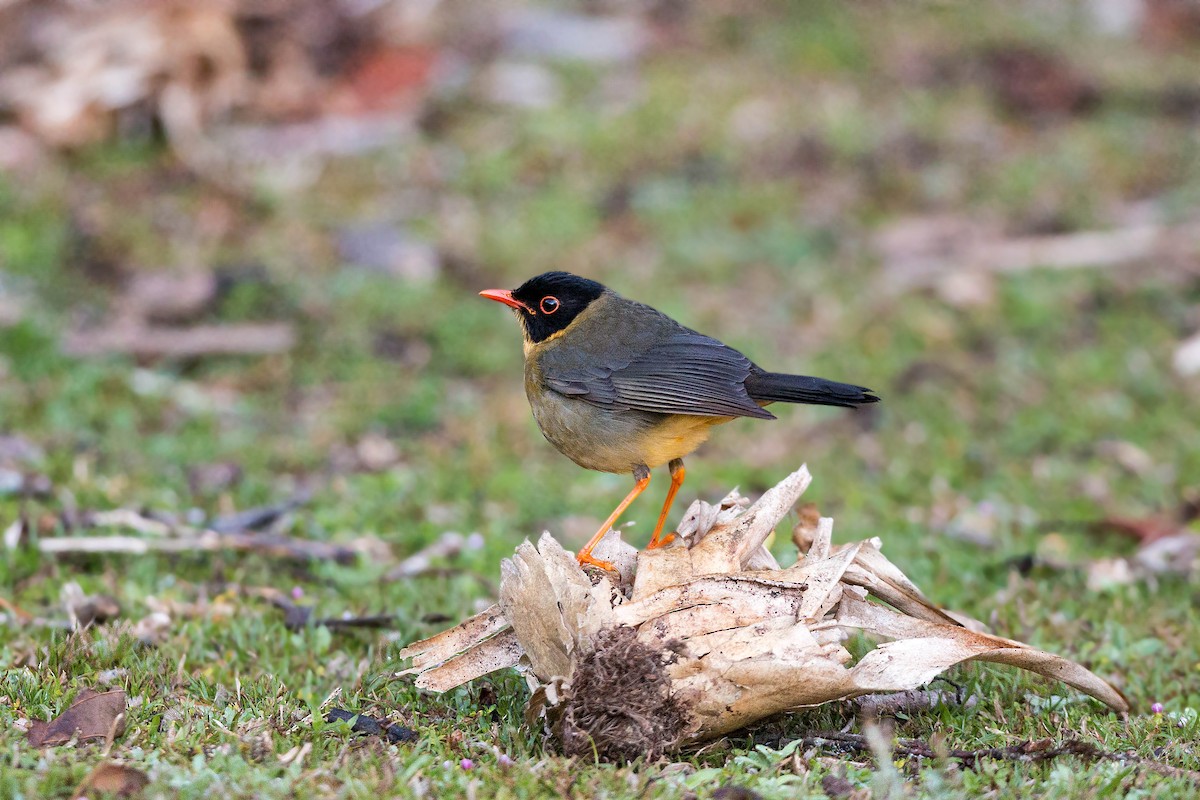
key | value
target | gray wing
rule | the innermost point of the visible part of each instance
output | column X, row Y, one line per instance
column 685, row 373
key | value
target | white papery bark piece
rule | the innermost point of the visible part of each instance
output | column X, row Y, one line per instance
column 740, row 639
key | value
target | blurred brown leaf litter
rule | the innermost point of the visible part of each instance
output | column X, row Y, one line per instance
column 117, row 780
column 231, row 81
column 73, row 74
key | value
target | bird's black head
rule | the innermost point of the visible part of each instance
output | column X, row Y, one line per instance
column 548, row 303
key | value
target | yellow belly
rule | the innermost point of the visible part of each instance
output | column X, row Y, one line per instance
column 676, row 437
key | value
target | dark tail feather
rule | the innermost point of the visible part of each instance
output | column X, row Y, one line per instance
column 777, row 387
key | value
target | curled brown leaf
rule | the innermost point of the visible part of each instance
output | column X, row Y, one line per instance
column 93, row 715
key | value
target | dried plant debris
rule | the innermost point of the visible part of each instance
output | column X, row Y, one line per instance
column 74, row 74
column 1168, row 544
column 893, row 703
column 370, row 726
column 1031, row 82
column 19, row 461
column 957, row 256
column 116, row 780
column 297, row 617
column 92, row 716
column 713, row 633
column 448, row 546
column 1025, row 752
column 621, row 701
column 259, row 517
column 85, row 610
column 150, row 342
column 1186, row 359
column 250, row 531
column 158, row 317
column 1172, row 553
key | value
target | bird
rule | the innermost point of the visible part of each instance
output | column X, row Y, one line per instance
column 617, row 386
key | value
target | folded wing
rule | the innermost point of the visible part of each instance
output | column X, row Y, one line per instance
column 683, row 373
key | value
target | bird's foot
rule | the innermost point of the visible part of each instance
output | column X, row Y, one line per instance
column 661, row 542
column 586, row 560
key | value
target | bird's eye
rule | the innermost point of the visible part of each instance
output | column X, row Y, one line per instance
column 549, row 305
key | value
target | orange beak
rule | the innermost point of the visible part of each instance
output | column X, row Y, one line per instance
column 504, row 296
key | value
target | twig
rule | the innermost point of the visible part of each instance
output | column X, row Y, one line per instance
column 1028, row 751
column 892, row 703
column 485, row 583
column 372, row 726
column 207, row 541
column 254, row 519
column 920, row 252
column 11, row 607
column 232, row 532
column 297, row 617
column 155, row 341
column 448, row 545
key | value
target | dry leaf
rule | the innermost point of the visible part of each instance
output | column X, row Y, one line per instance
column 890, row 705
column 297, row 617
column 385, row 79
column 1186, row 359
column 730, row 792
column 92, row 716
column 923, row 251
column 1170, row 23
column 449, row 545
column 1178, row 554
column 1028, row 81
column 361, row 723
column 1144, row 529
column 212, row 479
column 90, row 63
column 87, row 610
column 717, row 636
column 114, row 779
column 533, row 33
column 1106, row 573
column 169, row 298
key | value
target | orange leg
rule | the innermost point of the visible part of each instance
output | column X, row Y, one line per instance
column 642, row 476
column 677, row 473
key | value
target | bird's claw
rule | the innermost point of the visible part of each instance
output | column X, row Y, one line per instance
column 586, row 560
column 661, row 542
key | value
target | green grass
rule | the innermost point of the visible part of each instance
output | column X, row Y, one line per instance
column 1006, row 403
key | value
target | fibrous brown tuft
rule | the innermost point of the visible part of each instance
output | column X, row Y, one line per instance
column 621, row 705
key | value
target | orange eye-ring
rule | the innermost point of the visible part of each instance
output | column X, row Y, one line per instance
column 549, row 304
